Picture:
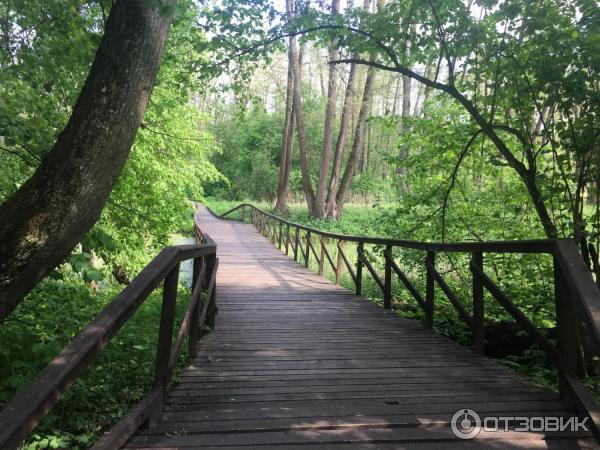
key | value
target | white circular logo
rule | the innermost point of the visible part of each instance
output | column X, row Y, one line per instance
column 465, row 424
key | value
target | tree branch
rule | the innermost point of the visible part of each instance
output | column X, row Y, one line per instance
column 452, row 179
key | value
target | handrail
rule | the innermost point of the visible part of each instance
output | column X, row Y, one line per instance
column 20, row 417
column 517, row 246
column 577, row 296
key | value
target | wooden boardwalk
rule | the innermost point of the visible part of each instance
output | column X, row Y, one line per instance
column 298, row 362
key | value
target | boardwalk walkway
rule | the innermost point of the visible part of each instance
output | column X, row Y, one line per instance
column 298, row 362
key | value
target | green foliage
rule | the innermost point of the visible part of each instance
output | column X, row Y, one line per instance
column 44, row 60
column 44, row 64
column 250, row 155
column 44, row 323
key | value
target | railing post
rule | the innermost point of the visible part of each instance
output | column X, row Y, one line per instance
column 566, row 331
column 340, row 262
column 165, row 332
column 195, row 314
column 430, row 292
column 244, row 213
column 280, row 233
column 322, row 257
column 308, row 244
column 478, row 307
column 359, row 266
column 387, row 283
column 296, row 239
column 287, row 238
column 212, row 306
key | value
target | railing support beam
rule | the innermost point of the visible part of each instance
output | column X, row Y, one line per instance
column 429, row 291
column 359, row 267
column 167, row 321
column 477, row 322
column 194, row 321
column 566, row 330
column 387, row 281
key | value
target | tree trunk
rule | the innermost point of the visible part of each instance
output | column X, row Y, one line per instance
column 366, row 145
column 424, row 94
column 403, row 156
column 341, row 141
column 309, row 193
column 319, row 207
column 44, row 220
column 359, row 136
column 287, row 138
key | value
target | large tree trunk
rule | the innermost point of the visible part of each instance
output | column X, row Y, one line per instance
column 309, row 193
column 287, row 138
column 320, row 208
column 359, row 136
column 44, row 220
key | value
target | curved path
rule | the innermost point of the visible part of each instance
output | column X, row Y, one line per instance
column 298, row 362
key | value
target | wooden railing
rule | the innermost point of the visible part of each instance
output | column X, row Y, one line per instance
column 577, row 298
column 21, row 416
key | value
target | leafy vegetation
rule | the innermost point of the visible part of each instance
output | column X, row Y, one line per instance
column 43, row 324
column 43, row 68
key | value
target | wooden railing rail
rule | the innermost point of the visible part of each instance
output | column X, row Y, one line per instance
column 577, row 297
column 20, row 417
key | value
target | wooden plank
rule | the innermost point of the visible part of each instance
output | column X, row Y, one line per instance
column 324, row 422
column 380, row 408
column 337, row 435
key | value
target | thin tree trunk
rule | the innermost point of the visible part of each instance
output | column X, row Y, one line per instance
column 321, row 74
column 367, row 140
column 403, row 156
column 396, row 95
column 44, row 220
column 423, row 94
column 341, row 140
column 320, row 207
column 287, row 137
column 359, row 136
column 309, row 193
column 432, row 75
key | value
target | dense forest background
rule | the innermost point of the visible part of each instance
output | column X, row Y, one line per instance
column 453, row 120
